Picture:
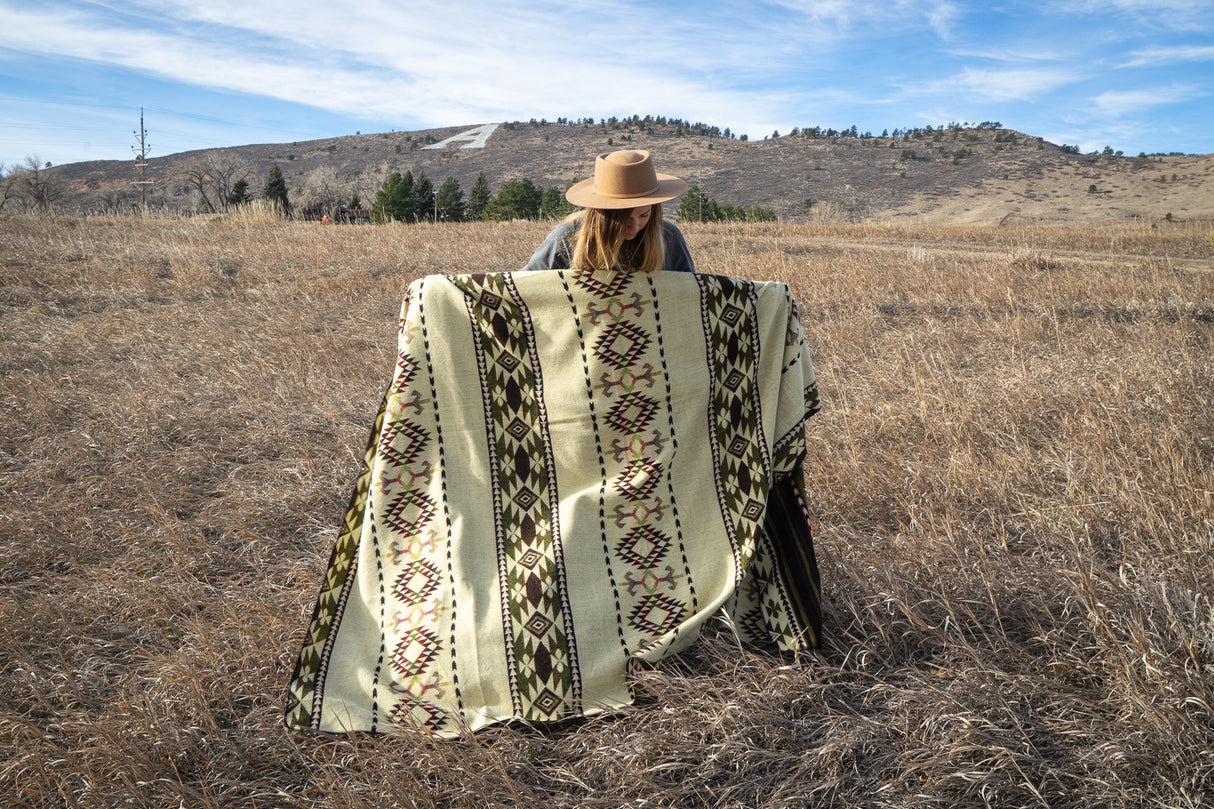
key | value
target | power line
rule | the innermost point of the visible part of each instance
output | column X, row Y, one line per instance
column 141, row 160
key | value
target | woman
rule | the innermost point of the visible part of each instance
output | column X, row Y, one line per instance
column 581, row 475
column 621, row 225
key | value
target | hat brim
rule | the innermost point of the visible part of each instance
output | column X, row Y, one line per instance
column 583, row 194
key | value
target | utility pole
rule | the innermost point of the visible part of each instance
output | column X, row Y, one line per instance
column 141, row 160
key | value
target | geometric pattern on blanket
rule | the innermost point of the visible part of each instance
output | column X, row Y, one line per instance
column 541, row 660
column 569, row 475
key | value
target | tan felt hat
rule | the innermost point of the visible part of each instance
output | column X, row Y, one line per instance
column 625, row 179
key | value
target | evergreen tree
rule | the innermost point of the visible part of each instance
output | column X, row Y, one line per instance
column 276, row 190
column 404, row 199
column 381, row 209
column 554, row 205
column 239, row 195
column 478, row 198
column 757, row 213
column 423, row 190
column 516, row 199
column 695, row 207
column 396, row 200
column 449, row 203
column 691, row 207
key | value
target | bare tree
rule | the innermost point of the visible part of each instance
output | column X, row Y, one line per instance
column 198, row 178
column 37, row 188
column 212, row 175
column 10, row 190
column 225, row 172
column 324, row 192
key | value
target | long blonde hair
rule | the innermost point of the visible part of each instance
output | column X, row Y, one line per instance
column 599, row 243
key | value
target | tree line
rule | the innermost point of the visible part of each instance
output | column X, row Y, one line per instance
column 405, row 198
column 408, row 198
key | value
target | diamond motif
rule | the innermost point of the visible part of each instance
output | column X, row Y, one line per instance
column 409, row 511
column 632, row 412
column 416, row 583
column 638, row 481
column 401, row 442
column 524, row 498
column 538, row 624
column 643, row 547
column 621, row 344
column 432, row 718
column 415, row 652
column 656, row 614
column 547, row 701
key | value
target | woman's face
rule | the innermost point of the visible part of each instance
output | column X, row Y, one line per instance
column 638, row 218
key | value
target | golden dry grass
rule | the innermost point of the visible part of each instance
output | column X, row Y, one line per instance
column 1013, row 477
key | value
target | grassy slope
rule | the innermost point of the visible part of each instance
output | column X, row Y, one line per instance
column 1012, row 477
column 975, row 176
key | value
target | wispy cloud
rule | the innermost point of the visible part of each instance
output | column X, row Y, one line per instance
column 1176, row 54
column 1128, row 102
column 377, row 60
column 1189, row 16
column 843, row 16
column 1004, row 85
column 752, row 65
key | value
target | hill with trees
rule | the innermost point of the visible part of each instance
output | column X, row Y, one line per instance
column 955, row 173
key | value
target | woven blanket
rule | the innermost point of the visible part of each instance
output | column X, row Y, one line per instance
column 570, row 475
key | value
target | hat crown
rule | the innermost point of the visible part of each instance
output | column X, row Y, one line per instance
column 624, row 179
column 625, row 174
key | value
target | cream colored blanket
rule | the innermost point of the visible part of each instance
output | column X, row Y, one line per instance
column 570, row 474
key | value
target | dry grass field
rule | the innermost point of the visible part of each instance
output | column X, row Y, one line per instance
column 1013, row 481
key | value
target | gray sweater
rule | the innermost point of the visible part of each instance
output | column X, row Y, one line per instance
column 557, row 250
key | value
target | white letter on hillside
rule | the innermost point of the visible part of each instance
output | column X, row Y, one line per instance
column 477, row 138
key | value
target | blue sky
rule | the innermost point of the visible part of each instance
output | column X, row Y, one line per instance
column 1136, row 75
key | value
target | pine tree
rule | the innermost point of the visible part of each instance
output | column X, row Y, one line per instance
column 516, row 199
column 381, row 209
column 691, row 208
column 449, row 203
column 554, row 205
column 423, row 191
column 239, row 194
column 478, row 198
column 275, row 190
column 404, row 199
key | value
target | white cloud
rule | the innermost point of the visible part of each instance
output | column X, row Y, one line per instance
column 752, row 65
column 1174, row 15
column 1126, row 102
column 1004, row 85
column 845, row 15
column 390, row 62
column 1168, row 56
column 941, row 17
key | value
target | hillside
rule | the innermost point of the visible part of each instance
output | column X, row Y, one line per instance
column 954, row 175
